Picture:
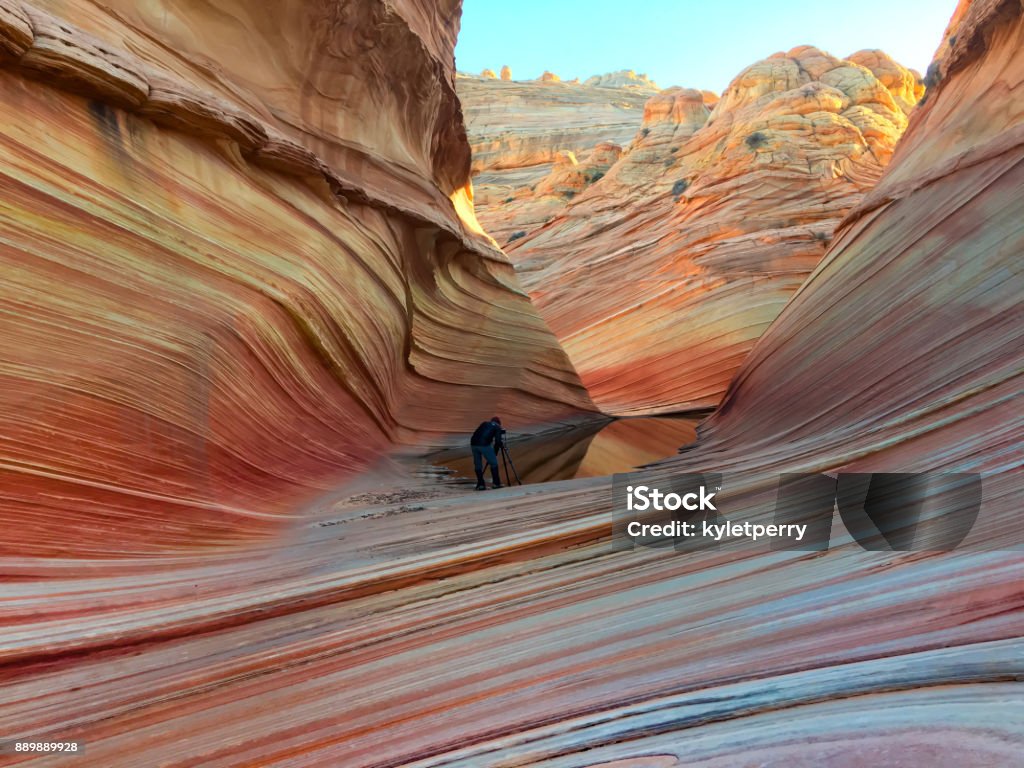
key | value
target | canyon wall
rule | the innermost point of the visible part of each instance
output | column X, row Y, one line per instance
column 659, row 277
column 905, row 347
column 240, row 263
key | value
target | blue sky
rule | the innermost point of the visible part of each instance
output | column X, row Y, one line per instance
column 693, row 43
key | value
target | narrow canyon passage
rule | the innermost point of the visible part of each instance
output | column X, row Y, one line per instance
column 597, row 450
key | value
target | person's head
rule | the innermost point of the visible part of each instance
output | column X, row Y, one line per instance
column 496, row 420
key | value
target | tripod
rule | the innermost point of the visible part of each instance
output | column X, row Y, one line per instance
column 506, row 460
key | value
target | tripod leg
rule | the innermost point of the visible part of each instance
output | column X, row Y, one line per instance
column 508, row 480
column 506, row 454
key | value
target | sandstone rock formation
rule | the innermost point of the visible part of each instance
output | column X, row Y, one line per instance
column 519, row 130
column 524, row 125
column 234, row 275
column 905, row 85
column 500, row 629
column 488, row 74
column 527, row 208
column 569, row 176
column 506, row 73
column 623, row 78
column 659, row 278
column 549, row 77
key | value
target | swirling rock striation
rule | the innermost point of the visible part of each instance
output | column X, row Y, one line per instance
column 659, row 278
column 210, row 326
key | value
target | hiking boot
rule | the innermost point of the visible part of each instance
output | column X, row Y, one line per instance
column 480, row 488
column 495, row 487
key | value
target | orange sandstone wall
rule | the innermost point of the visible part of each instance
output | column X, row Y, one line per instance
column 233, row 268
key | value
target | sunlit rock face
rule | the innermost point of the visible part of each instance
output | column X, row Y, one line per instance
column 659, row 278
column 239, row 263
column 519, row 131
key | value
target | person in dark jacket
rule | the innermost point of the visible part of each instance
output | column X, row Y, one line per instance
column 485, row 444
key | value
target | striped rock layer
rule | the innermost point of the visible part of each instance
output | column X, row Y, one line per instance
column 239, row 263
column 502, row 630
column 659, row 277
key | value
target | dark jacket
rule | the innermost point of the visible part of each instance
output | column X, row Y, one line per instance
column 488, row 432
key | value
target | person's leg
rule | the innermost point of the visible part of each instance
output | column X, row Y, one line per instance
column 478, row 466
column 492, row 459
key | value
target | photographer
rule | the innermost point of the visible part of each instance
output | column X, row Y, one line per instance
column 485, row 444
